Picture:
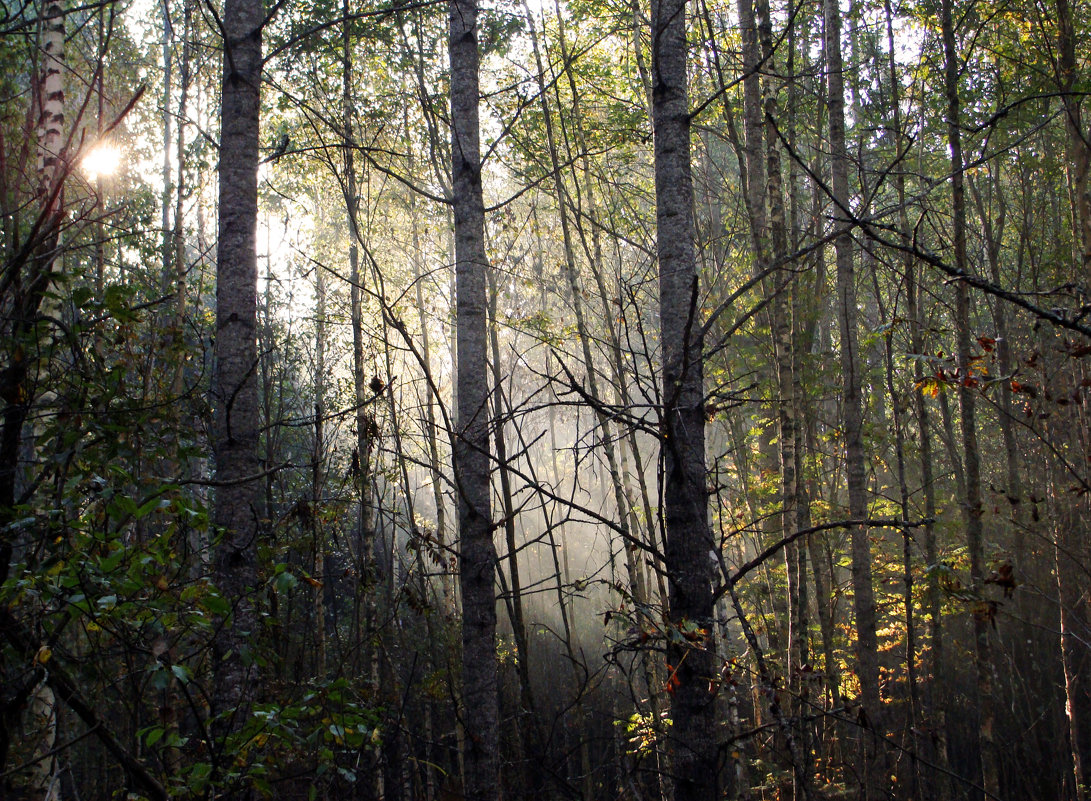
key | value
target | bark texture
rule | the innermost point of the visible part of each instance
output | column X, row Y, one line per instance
column 689, row 544
column 30, row 273
column 51, row 97
column 237, row 506
column 477, row 554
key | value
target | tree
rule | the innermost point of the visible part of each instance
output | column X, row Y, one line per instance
column 987, row 766
column 237, row 510
column 691, row 641
column 867, row 649
column 614, row 298
column 477, row 553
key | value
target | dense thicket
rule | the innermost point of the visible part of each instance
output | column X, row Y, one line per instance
column 602, row 400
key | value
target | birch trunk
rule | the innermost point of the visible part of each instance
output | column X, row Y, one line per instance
column 28, row 286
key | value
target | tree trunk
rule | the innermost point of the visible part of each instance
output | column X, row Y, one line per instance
column 1078, row 148
column 318, row 477
column 967, row 402
column 366, row 426
column 1071, row 596
column 936, row 667
column 867, row 649
column 691, row 655
column 795, row 558
column 176, row 283
column 1074, row 630
column 167, row 106
column 914, row 743
column 51, row 95
column 237, row 506
column 28, row 289
column 526, row 719
column 477, row 562
column 993, row 235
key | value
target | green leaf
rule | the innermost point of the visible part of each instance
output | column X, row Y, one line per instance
column 117, row 299
column 216, row 604
column 200, row 773
column 110, row 562
column 285, row 582
column 147, row 508
column 80, row 296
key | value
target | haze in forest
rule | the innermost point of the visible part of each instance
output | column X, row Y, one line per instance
column 597, row 400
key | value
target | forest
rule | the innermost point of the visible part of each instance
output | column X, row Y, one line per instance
column 562, row 400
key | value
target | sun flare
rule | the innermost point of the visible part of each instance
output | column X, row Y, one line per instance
column 101, row 160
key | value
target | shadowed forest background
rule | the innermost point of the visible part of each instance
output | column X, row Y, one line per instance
column 553, row 400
